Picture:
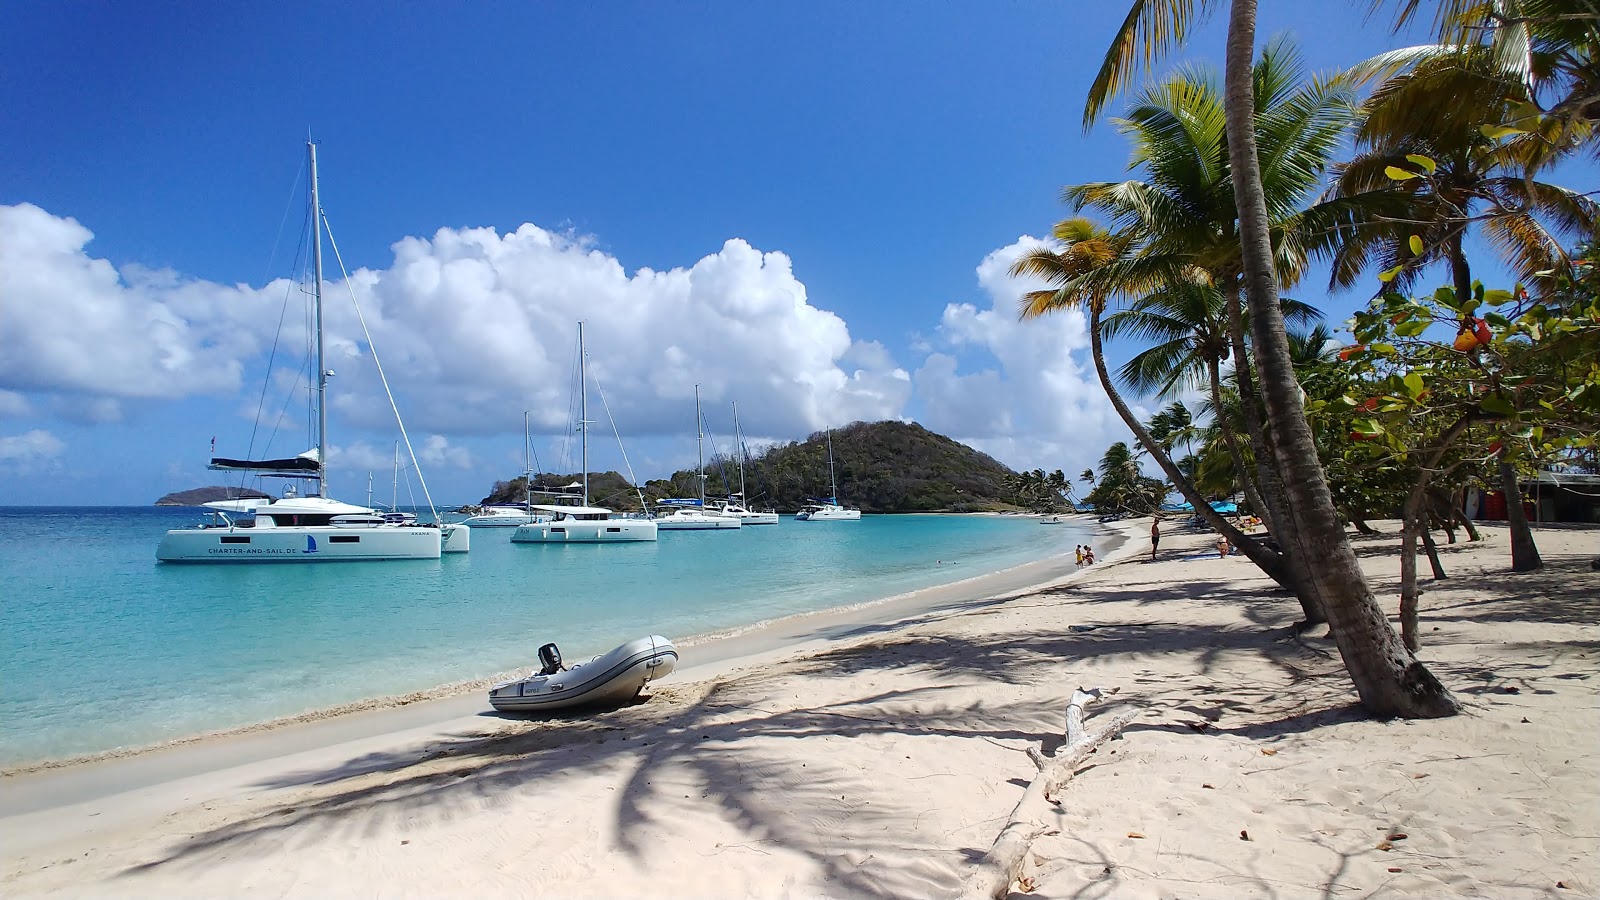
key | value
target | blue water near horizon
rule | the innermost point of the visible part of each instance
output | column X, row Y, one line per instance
column 102, row 648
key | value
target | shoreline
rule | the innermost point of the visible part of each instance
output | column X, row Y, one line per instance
column 723, row 648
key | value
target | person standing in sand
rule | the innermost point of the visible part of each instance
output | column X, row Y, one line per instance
column 1078, row 551
column 1088, row 555
column 1155, row 537
column 1222, row 546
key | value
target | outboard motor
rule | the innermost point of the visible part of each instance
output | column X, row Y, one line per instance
column 550, row 659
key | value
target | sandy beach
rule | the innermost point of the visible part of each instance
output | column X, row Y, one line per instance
column 877, row 751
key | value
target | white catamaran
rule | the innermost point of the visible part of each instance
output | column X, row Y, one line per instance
column 734, row 507
column 691, row 515
column 583, row 524
column 828, row 509
column 314, row 528
column 505, row 515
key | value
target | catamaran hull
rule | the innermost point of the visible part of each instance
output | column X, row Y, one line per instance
column 611, row 678
column 755, row 518
column 299, row 544
column 828, row 515
column 698, row 523
column 602, row 531
column 455, row 538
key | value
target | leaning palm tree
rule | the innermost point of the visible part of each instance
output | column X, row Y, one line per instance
column 1182, row 206
column 1086, row 268
column 1388, row 678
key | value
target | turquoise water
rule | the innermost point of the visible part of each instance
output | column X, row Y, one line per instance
column 104, row 648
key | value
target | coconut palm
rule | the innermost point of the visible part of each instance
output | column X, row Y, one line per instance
column 1436, row 110
column 1086, row 267
column 1388, row 678
column 1184, row 206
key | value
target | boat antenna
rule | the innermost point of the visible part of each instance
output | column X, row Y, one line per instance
column 322, row 369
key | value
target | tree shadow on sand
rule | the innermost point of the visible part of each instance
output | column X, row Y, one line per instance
column 705, row 750
column 708, row 742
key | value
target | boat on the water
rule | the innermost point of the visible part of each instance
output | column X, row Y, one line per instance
column 734, row 507
column 828, row 509
column 582, row 523
column 690, row 514
column 506, row 515
column 316, row 527
column 610, row 678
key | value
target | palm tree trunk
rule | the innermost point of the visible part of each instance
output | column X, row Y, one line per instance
column 1460, row 272
column 1276, row 507
column 1524, row 552
column 1252, row 495
column 1389, row 680
column 1270, row 563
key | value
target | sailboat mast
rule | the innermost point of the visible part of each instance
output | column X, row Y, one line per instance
column 322, row 369
column 738, row 439
column 527, row 463
column 394, row 501
column 583, row 410
column 699, row 447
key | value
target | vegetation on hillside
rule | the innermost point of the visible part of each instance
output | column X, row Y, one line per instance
column 881, row 467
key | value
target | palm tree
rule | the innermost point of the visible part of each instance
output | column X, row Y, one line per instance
column 1086, row 268
column 1388, row 678
column 1436, row 110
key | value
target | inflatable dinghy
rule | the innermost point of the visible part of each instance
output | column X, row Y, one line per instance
column 614, row 677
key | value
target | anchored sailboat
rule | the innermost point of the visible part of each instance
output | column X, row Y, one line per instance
column 735, row 506
column 827, row 509
column 583, row 524
column 314, row 528
column 691, row 515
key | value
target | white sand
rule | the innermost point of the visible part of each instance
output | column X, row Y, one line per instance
column 843, row 759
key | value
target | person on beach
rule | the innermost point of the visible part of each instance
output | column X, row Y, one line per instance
column 1078, row 551
column 1155, row 537
column 1222, row 546
column 1088, row 555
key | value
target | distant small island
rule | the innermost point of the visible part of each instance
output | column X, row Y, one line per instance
column 203, row 495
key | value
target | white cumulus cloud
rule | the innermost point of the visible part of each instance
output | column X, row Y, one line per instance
column 13, row 405
column 1032, row 398
column 29, row 452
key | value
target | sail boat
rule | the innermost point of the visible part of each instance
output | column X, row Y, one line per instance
column 734, row 507
column 506, row 515
column 583, row 524
column 313, row 528
column 827, row 509
column 691, row 515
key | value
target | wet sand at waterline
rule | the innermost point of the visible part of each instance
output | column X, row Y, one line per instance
column 877, row 753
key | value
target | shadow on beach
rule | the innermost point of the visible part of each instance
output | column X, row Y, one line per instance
column 725, row 748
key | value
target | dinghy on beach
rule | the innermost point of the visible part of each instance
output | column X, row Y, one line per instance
column 614, row 677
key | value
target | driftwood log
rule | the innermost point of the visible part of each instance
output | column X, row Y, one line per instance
column 1002, row 865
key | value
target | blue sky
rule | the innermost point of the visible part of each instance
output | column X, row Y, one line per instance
column 825, row 196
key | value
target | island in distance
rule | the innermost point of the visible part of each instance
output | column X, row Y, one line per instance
column 203, row 495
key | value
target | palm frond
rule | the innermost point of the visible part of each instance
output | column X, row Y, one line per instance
column 1150, row 30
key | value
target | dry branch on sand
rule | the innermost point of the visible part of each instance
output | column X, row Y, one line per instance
column 1002, row 865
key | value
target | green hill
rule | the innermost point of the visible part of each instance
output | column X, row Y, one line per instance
column 882, row 467
column 202, row 495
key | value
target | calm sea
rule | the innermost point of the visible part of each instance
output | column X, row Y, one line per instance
column 101, row 647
